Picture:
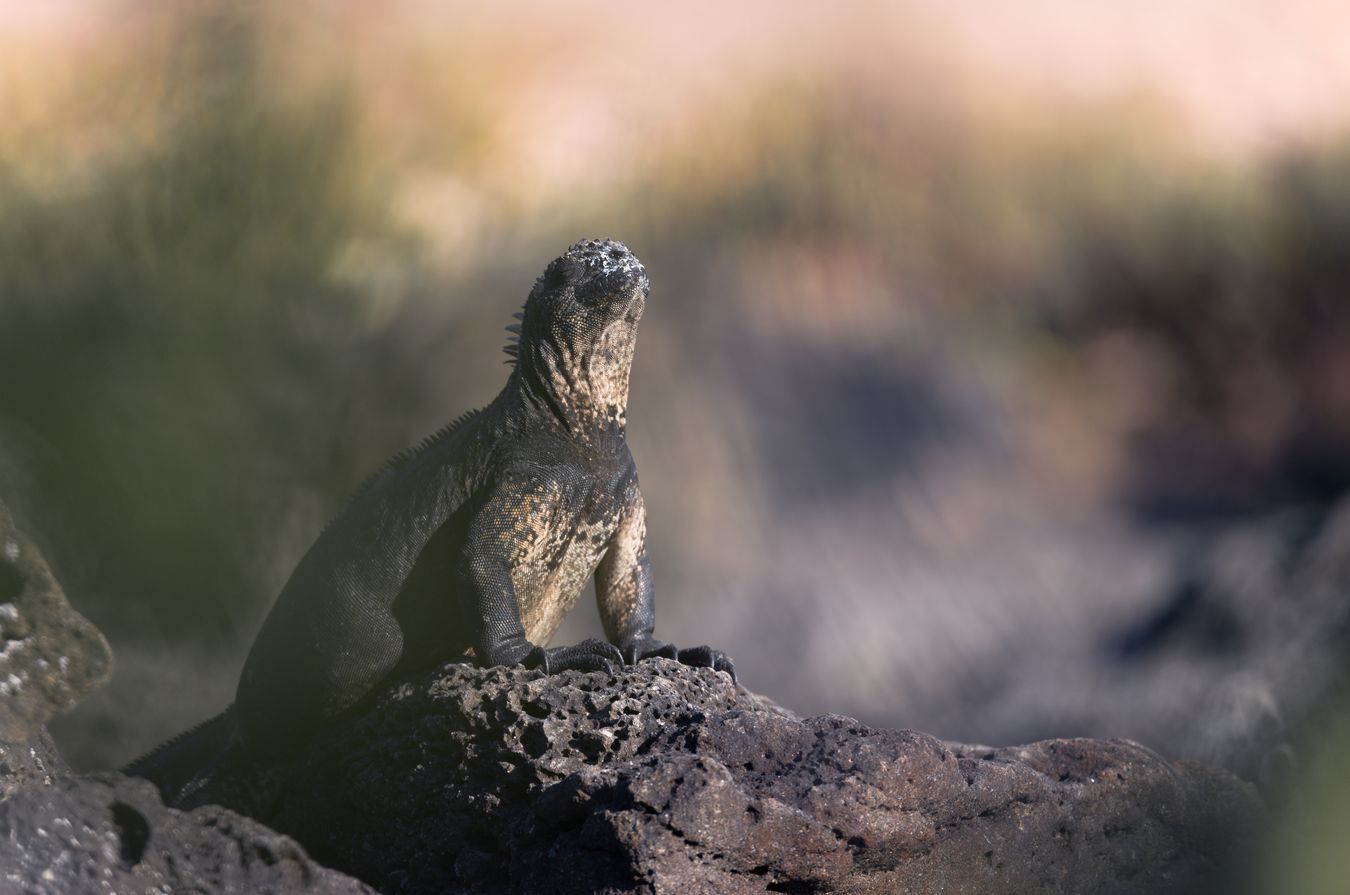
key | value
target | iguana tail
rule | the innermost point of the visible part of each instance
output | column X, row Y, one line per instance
column 175, row 765
column 208, row 764
column 205, row 764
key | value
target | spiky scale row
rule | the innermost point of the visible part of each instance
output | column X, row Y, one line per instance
column 405, row 456
column 512, row 346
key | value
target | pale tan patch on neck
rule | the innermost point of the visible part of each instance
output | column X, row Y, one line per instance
column 608, row 366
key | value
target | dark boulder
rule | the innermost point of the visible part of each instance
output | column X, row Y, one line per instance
column 109, row 833
column 663, row 778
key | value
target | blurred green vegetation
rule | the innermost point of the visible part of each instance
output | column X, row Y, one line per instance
column 1307, row 854
column 181, row 357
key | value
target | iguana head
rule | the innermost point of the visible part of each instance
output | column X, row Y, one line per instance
column 578, row 330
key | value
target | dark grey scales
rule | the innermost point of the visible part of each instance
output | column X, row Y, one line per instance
column 479, row 539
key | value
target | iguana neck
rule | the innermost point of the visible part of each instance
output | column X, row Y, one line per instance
column 584, row 390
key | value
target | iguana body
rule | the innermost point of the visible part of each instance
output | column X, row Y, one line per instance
column 480, row 539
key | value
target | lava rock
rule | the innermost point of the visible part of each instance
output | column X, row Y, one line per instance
column 50, row 655
column 664, row 778
column 32, row 763
column 109, row 833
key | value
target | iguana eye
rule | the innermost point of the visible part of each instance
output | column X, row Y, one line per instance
column 562, row 272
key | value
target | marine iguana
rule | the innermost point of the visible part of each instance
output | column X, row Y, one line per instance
column 480, row 539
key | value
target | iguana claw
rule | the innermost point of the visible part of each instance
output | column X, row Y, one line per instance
column 588, row 655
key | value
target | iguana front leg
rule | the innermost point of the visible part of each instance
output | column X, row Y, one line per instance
column 498, row 540
column 627, row 599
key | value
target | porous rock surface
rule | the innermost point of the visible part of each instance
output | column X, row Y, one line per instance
column 662, row 778
column 110, row 833
column 34, row 762
column 50, row 655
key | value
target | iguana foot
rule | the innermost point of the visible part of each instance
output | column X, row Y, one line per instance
column 694, row 656
column 588, row 655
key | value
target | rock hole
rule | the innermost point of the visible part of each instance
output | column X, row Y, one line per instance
column 793, row 887
column 760, row 870
column 589, row 747
column 133, row 832
column 534, row 740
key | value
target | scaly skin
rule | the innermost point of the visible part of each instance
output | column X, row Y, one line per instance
column 481, row 538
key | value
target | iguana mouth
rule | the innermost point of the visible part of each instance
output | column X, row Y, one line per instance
column 636, row 303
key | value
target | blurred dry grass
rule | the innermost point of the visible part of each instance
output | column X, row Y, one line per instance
column 944, row 378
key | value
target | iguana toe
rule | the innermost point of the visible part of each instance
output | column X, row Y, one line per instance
column 588, row 655
column 707, row 657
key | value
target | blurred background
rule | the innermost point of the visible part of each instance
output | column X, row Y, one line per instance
column 995, row 379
